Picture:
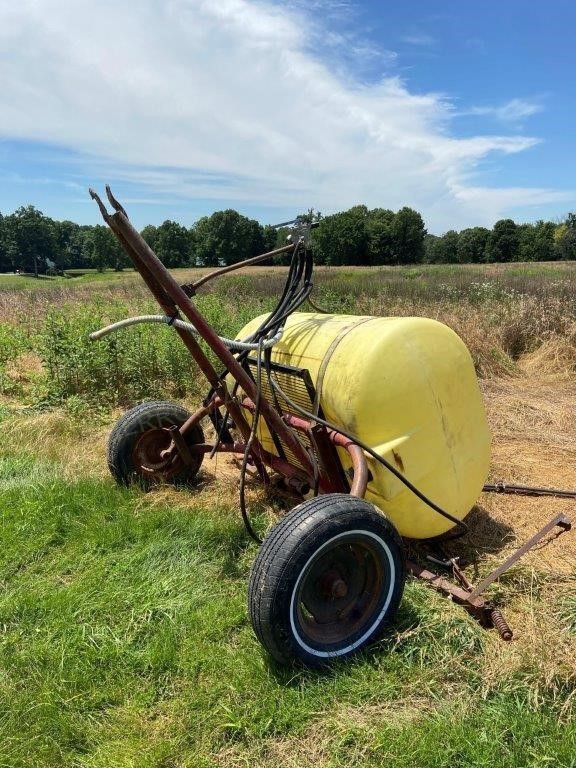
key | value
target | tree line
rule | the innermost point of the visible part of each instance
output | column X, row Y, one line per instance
column 34, row 243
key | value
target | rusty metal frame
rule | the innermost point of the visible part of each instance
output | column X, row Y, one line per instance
column 174, row 300
column 560, row 521
column 469, row 596
column 324, row 440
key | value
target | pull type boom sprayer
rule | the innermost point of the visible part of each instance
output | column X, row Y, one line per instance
column 374, row 424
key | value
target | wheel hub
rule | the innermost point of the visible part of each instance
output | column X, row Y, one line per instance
column 152, row 456
column 340, row 592
column 333, row 585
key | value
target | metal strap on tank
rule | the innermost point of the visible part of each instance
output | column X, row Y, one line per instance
column 327, row 357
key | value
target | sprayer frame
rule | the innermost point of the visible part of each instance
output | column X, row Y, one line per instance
column 175, row 299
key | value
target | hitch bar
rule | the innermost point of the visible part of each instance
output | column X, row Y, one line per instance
column 470, row 597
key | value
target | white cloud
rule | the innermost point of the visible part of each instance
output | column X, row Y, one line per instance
column 419, row 38
column 496, row 201
column 512, row 111
column 228, row 100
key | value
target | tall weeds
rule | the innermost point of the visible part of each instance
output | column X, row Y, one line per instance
column 504, row 315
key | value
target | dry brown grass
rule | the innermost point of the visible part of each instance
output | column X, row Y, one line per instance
column 78, row 447
column 555, row 357
column 316, row 744
column 533, row 424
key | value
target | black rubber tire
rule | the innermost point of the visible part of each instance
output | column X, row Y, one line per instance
column 283, row 573
column 128, row 430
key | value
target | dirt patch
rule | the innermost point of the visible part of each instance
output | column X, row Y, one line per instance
column 317, row 743
column 24, row 367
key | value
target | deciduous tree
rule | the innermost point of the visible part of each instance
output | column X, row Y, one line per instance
column 173, row 244
column 472, row 245
column 503, row 242
column 343, row 238
column 33, row 236
column 227, row 237
column 408, row 233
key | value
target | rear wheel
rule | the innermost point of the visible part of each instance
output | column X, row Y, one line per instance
column 327, row 580
column 138, row 440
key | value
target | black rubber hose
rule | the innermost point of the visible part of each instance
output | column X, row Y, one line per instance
column 290, row 286
column 255, row 417
column 288, row 304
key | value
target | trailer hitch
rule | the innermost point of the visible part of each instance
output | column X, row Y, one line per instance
column 469, row 596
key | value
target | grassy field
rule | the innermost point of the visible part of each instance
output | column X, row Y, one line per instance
column 27, row 282
column 124, row 638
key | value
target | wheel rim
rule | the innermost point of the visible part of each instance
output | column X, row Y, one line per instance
column 342, row 593
column 148, row 458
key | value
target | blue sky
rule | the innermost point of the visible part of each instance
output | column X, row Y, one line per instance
column 463, row 110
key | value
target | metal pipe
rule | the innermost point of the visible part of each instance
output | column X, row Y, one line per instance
column 359, row 464
column 527, row 490
column 193, row 287
column 198, row 415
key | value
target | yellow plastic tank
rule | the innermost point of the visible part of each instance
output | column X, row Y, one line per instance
column 406, row 386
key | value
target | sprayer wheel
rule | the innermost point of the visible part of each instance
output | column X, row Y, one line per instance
column 327, row 580
column 137, row 440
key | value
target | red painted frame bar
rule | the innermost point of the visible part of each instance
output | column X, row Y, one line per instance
column 359, row 465
column 172, row 298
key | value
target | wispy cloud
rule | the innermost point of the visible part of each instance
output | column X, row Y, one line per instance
column 233, row 100
column 510, row 112
column 419, row 38
column 494, row 201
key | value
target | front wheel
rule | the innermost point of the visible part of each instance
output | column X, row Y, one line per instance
column 326, row 581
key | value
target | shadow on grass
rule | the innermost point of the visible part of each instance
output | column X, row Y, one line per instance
column 485, row 536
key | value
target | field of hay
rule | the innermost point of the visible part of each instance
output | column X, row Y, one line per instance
column 124, row 638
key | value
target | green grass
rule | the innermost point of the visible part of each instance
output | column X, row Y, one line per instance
column 124, row 637
column 125, row 641
column 13, row 282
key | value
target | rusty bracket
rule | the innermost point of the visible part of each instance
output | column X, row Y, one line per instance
column 560, row 521
column 470, row 597
column 477, row 607
column 181, row 446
